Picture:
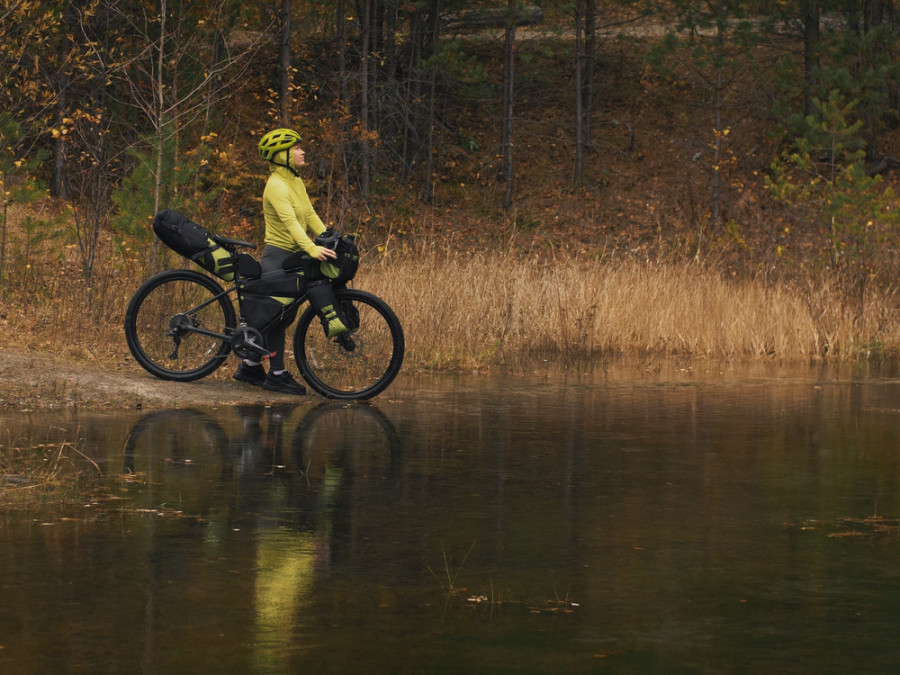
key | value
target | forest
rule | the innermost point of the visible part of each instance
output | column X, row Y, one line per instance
column 736, row 141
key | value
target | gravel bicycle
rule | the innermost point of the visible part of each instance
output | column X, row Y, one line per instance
column 181, row 325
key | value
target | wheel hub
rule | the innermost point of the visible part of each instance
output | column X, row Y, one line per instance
column 180, row 324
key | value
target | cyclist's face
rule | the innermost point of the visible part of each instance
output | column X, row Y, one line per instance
column 299, row 157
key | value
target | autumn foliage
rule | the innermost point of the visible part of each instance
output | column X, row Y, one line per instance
column 728, row 140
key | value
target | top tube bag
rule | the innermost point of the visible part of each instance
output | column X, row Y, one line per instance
column 194, row 243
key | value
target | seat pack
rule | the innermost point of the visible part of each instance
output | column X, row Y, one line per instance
column 194, row 242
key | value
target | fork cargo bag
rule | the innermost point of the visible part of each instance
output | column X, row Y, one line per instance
column 194, row 243
column 331, row 313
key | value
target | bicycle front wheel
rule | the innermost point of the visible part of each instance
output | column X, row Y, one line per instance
column 357, row 365
column 177, row 324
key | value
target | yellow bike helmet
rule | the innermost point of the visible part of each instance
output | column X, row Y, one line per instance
column 276, row 141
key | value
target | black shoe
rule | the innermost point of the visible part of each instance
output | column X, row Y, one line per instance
column 254, row 375
column 283, row 383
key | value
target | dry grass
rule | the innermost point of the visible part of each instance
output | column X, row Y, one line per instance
column 32, row 472
column 486, row 309
column 463, row 310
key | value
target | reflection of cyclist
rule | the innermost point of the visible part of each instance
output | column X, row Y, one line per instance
column 290, row 217
column 259, row 448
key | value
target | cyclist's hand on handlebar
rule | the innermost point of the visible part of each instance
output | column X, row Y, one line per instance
column 325, row 253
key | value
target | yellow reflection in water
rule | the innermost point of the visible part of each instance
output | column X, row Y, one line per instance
column 284, row 575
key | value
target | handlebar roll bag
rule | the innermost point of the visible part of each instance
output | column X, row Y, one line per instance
column 339, row 270
column 342, row 269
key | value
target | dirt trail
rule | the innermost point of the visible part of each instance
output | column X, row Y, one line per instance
column 45, row 382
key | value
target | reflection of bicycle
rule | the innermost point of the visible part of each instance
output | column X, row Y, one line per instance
column 173, row 437
column 181, row 324
column 357, row 437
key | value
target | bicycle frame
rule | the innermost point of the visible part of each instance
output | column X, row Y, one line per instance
column 241, row 318
column 185, row 343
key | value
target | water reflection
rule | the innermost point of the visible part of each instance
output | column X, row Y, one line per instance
column 281, row 486
column 482, row 525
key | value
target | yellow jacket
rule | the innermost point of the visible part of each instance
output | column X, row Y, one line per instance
column 288, row 212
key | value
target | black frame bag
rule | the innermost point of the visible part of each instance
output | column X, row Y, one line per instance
column 266, row 297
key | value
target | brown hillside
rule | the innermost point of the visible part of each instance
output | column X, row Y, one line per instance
column 649, row 184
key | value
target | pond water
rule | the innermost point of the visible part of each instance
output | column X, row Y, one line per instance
column 655, row 519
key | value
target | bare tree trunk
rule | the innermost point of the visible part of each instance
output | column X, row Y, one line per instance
column 92, row 184
column 342, row 51
column 174, row 95
column 387, row 49
column 585, row 21
column 578, row 174
column 57, row 179
column 160, row 109
column 375, row 55
column 590, row 34
column 506, row 127
column 219, row 49
column 412, row 87
column 873, row 18
column 339, row 154
column 284, row 66
column 434, row 19
column 811, row 36
column 364, row 104
column 4, row 219
column 717, row 151
column 718, row 105
column 61, row 84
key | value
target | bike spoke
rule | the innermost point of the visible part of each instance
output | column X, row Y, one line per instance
column 359, row 364
column 175, row 327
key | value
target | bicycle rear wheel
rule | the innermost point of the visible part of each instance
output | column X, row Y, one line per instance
column 175, row 325
column 358, row 365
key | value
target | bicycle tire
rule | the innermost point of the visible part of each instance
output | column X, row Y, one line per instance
column 336, row 372
column 172, row 438
column 360, row 439
column 161, row 322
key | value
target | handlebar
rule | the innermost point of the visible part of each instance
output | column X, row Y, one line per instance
column 330, row 238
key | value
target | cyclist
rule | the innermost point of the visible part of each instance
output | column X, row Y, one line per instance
column 290, row 217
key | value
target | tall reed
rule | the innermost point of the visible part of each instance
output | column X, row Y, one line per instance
column 499, row 308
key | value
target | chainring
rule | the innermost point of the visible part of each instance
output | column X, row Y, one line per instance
column 248, row 343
